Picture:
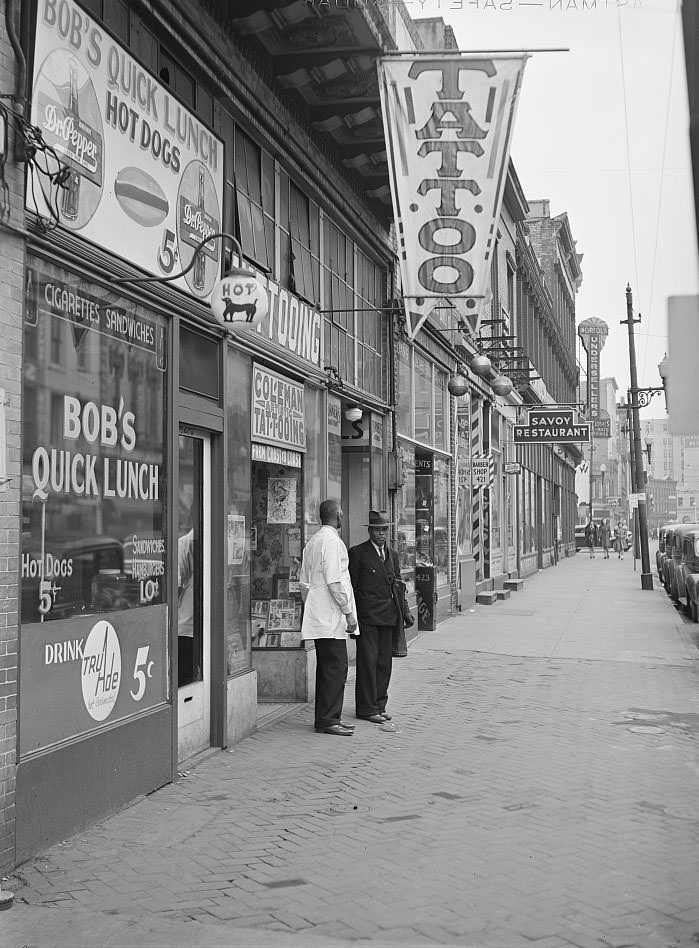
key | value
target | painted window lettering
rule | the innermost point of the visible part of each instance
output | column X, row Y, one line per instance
column 143, row 669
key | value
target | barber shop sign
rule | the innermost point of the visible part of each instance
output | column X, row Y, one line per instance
column 448, row 124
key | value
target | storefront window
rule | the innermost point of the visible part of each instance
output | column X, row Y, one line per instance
column 314, row 461
column 237, row 600
column 441, row 521
column 442, row 410
column 528, row 506
column 423, row 399
column 277, row 511
column 279, row 443
column 405, row 515
column 404, row 402
column 93, row 563
column 378, row 478
column 334, row 488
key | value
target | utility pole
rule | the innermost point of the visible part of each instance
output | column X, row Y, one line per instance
column 592, row 452
column 646, row 575
column 632, row 474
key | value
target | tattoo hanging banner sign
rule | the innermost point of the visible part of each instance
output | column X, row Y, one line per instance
column 448, row 122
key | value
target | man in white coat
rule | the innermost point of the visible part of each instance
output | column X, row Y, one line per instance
column 329, row 616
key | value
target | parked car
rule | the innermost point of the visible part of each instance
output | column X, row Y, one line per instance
column 687, row 574
column 660, row 552
column 673, row 560
column 580, row 542
column 667, row 557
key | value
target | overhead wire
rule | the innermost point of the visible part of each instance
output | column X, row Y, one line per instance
column 647, row 334
column 628, row 149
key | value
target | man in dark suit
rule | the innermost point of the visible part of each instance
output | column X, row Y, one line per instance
column 373, row 567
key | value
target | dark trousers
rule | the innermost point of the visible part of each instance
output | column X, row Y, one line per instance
column 331, row 676
column 374, row 664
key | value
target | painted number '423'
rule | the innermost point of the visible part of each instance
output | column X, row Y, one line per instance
column 143, row 669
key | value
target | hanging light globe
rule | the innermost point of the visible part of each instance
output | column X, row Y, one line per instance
column 480, row 365
column 502, row 385
column 457, row 385
column 239, row 300
column 353, row 413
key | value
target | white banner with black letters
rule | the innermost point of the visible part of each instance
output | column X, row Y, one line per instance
column 448, row 122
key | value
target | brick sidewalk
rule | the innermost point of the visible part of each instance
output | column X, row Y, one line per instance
column 541, row 788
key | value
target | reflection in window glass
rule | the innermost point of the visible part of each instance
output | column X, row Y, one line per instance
column 442, row 410
column 441, row 520
column 93, row 463
column 405, row 515
column 423, row 399
column 314, row 461
column 404, row 402
column 334, row 466
column 239, row 510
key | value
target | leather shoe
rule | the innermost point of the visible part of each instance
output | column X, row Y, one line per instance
column 338, row 730
column 385, row 716
column 350, row 727
column 374, row 718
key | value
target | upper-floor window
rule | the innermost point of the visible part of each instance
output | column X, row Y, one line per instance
column 354, row 288
column 139, row 39
column 254, row 200
column 301, row 242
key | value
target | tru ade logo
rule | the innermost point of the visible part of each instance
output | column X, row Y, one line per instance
column 101, row 670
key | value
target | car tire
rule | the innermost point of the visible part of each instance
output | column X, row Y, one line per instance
column 693, row 611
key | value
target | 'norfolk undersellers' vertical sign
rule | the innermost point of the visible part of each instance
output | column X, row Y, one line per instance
column 593, row 334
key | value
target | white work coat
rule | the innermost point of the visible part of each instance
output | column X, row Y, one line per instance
column 325, row 561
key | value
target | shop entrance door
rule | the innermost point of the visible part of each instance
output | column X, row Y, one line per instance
column 194, row 594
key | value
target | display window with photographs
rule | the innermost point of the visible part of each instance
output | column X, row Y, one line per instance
column 277, row 521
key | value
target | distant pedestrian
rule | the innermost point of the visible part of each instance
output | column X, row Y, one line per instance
column 329, row 615
column 620, row 540
column 590, row 538
column 605, row 536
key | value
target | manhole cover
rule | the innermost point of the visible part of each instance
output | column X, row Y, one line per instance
column 647, row 729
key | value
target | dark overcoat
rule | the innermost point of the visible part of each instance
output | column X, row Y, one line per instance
column 371, row 582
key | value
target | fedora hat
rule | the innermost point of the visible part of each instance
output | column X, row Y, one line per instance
column 378, row 518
